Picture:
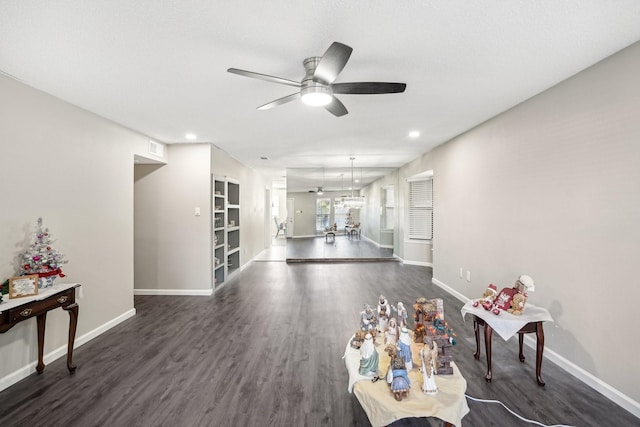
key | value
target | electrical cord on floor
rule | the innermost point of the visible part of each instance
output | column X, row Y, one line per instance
column 522, row 418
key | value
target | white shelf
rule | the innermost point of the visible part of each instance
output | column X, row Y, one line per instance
column 225, row 206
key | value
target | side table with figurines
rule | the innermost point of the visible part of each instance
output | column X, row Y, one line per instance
column 508, row 313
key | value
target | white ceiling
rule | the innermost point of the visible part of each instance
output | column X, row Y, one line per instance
column 160, row 67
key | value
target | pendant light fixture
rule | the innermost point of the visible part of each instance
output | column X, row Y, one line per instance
column 353, row 201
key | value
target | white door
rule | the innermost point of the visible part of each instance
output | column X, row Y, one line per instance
column 290, row 215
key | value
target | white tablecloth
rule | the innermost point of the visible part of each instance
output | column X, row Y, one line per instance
column 505, row 323
column 449, row 404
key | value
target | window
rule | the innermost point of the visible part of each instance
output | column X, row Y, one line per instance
column 340, row 213
column 323, row 209
column 387, row 221
column 421, row 209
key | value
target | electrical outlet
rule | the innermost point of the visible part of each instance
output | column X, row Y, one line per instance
column 196, row 211
column 468, row 276
column 461, row 272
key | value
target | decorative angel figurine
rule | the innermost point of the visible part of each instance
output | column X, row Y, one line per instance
column 429, row 359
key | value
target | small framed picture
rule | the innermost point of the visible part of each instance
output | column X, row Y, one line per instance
column 23, row 286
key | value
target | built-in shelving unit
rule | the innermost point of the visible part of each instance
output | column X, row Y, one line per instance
column 226, row 228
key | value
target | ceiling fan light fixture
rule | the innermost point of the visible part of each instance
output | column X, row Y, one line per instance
column 316, row 96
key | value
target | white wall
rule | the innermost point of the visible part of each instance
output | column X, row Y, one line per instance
column 75, row 170
column 371, row 215
column 551, row 189
column 172, row 244
column 304, row 214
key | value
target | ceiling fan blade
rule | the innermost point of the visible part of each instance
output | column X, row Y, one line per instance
column 336, row 107
column 280, row 101
column 368, row 88
column 332, row 62
column 266, row 77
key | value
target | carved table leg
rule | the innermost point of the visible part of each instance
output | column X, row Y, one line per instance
column 72, row 309
column 520, row 341
column 476, row 329
column 41, row 320
column 539, row 350
column 488, row 330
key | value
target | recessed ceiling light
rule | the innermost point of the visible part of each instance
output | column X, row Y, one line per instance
column 191, row 136
column 414, row 134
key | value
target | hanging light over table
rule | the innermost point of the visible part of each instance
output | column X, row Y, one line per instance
column 353, row 201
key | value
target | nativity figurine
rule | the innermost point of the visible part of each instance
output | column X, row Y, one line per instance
column 429, row 361
column 392, row 333
column 397, row 375
column 369, row 358
column 404, row 348
column 384, row 310
column 368, row 320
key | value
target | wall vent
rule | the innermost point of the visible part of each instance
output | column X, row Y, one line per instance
column 156, row 149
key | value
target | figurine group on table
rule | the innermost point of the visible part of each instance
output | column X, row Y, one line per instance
column 511, row 300
column 430, row 329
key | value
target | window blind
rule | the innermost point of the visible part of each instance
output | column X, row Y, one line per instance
column 421, row 209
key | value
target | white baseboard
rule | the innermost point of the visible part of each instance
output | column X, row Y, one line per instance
column 190, row 292
column 376, row 243
column 452, row 291
column 421, row 263
column 589, row 379
column 29, row 369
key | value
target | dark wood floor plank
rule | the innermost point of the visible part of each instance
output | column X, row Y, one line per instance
column 266, row 349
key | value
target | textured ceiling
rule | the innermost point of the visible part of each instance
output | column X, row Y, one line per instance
column 160, row 67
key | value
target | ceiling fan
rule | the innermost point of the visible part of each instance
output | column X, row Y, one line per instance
column 317, row 87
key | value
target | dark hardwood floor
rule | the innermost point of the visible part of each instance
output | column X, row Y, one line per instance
column 266, row 350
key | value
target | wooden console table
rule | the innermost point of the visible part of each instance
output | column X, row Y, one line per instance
column 17, row 310
column 508, row 325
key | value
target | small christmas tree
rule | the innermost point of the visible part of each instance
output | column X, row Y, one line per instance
column 41, row 258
